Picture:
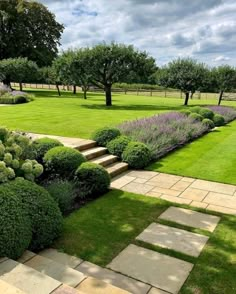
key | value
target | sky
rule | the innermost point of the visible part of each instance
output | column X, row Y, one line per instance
column 166, row 29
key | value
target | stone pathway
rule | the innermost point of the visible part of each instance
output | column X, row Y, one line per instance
column 198, row 193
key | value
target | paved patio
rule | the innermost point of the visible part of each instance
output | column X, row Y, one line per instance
column 199, row 193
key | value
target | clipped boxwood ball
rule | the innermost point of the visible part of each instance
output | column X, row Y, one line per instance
column 218, row 120
column 105, row 135
column 209, row 123
column 137, row 155
column 43, row 212
column 92, row 180
column 186, row 112
column 63, row 161
column 41, row 147
column 195, row 109
column 206, row 113
column 196, row 116
column 15, row 225
column 118, row 145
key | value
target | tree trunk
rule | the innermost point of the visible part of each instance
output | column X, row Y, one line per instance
column 192, row 93
column 85, row 93
column 186, row 98
column 21, row 86
column 58, row 90
column 74, row 89
column 221, row 96
column 108, row 95
column 7, row 83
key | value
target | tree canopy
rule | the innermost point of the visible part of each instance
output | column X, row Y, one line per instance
column 28, row 29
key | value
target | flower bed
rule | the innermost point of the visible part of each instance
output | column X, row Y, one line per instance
column 228, row 113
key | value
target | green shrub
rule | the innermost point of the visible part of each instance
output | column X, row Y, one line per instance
column 42, row 145
column 15, row 225
column 196, row 116
column 186, row 112
column 195, row 109
column 3, row 134
column 206, row 113
column 63, row 161
column 218, row 120
column 9, row 99
column 43, row 212
column 104, row 135
column 63, row 192
column 208, row 122
column 137, row 155
column 92, row 180
column 118, row 145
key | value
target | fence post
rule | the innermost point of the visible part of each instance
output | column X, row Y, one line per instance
column 151, row 93
column 165, row 93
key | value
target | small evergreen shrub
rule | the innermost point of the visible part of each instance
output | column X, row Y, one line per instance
column 63, row 192
column 195, row 109
column 92, row 180
column 218, row 120
column 3, row 134
column 43, row 212
column 209, row 123
column 15, row 225
column 42, row 145
column 118, row 145
column 186, row 112
column 206, row 113
column 137, row 155
column 195, row 116
column 104, row 135
column 63, row 161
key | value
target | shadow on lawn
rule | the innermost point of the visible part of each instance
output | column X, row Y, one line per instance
column 134, row 107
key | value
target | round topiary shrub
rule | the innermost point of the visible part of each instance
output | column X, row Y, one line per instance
column 195, row 109
column 105, row 135
column 118, row 145
column 206, row 113
column 218, row 120
column 63, row 192
column 137, row 155
column 186, row 112
column 3, row 134
column 41, row 147
column 63, row 161
column 15, row 225
column 92, row 180
column 196, row 116
column 209, row 123
column 43, row 212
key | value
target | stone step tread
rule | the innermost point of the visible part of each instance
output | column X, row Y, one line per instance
column 94, row 152
column 26, row 278
column 95, row 286
column 86, row 144
column 56, row 270
column 6, row 288
column 117, row 168
column 105, row 160
column 64, row 289
column 60, row 257
column 113, row 278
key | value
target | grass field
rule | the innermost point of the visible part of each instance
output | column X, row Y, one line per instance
column 72, row 116
column 212, row 157
column 101, row 229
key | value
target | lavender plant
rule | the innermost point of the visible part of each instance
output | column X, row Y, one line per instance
column 229, row 113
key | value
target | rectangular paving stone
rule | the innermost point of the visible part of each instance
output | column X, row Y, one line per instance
column 214, row 187
column 166, row 191
column 191, row 218
column 164, row 181
column 221, row 200
column 153, row 194
column 221, row 209
column 198, row 204
column 55, row 270
column 180, row 186
column 157, row 291
column 173, row 238
column 140, row 180
column 143, row 174
column 64, row 289
column 121, row 181
column 63, row 258
column 94, row 286
column 186, row 179
column 194, row 194
column 6, row 288
column 26, row 256
column 137, row 188
column 176, row 199
column 159, row 270
column 111, row 277
column 27, row 279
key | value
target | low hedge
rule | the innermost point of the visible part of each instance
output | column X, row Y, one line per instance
column 104, row 135
column 118, row 145
column 208, row 122
column 92, row 180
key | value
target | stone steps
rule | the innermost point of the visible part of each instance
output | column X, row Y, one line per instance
column 105, row 160
column 117, row 168
column 94, row 152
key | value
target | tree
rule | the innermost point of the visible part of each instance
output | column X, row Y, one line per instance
column 49, row 75
column 19, row 70
column 185, row 74
column 114, row 63
column 28, row 29
column 224, row 78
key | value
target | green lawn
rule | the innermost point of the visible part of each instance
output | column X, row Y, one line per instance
column 72, row 116
column 212, row 157
column 101, row 229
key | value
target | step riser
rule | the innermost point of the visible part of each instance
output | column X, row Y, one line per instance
column 118, row 171
column 106, row 162
column 86, row 146
column 95, row 154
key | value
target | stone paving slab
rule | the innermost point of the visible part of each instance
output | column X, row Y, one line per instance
column 221, row 209
column 3, row 259
column 176, row 199
column 221, row 200
column 60, row 257
column 137, row 188
column 120, row 182
column 64, row 289
column 55, row 270
column 94, row 286
column 157, row 291
column 6, row 288
column 159, row 270
column 191, row 218
column 194, row 194
column 26, row 256
column 214, row 187
column 173, row 238
column 27, row 279
column 111, row 277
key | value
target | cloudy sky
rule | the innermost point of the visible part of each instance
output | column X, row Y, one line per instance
column 203, row 29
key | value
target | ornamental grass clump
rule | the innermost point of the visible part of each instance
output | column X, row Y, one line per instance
column 229, row 113
column 164, row 133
